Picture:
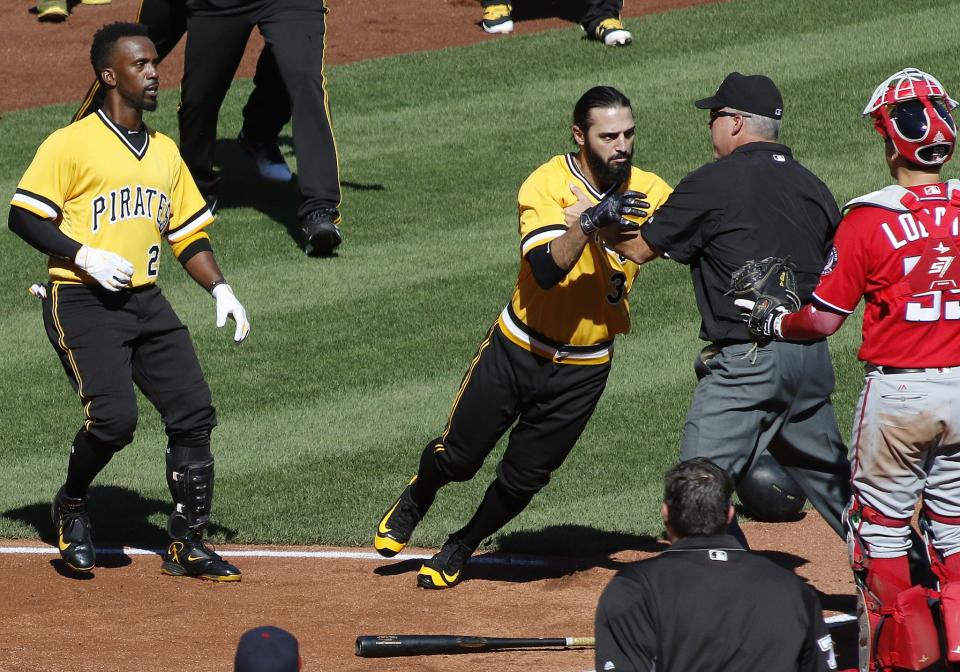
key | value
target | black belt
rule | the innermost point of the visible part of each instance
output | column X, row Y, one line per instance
column 893, row 369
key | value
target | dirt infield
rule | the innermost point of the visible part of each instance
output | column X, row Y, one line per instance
column 42, row 64
column 127, row 616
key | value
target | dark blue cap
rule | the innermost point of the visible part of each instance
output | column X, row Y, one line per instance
column 267, row 649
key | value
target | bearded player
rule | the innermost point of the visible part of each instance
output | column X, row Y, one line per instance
column 98, row 199
column 545, row 362
column 898, row 249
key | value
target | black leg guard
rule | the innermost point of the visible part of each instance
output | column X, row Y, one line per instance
column 190, row 479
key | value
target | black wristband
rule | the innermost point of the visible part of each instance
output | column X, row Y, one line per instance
column 216, row 283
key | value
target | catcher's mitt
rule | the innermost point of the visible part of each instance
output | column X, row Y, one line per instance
column 768, row 289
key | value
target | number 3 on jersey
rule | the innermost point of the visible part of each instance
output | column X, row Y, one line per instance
column 618, row 286
column 153, row 261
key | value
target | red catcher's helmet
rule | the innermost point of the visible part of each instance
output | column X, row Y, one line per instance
column 913, row 109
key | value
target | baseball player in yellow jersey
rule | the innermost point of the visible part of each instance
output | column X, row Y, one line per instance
column 98, row 198
column 545, row 362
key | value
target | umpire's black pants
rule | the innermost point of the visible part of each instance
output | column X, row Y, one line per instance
column 108, row 341
column 294, row 31
column 550, row 403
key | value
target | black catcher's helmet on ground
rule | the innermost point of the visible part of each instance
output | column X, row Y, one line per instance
column 769, row 494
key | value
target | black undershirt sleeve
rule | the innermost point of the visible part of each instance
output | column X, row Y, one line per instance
column 194, row 248
column 545, row 270
column 42, row 234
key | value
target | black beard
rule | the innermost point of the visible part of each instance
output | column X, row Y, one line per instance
column 608, row 174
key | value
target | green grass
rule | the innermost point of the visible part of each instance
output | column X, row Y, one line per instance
column 353, row 361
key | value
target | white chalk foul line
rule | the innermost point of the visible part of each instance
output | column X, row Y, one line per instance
column 505, row 560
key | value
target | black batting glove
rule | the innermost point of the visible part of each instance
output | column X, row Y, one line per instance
column 613, row 211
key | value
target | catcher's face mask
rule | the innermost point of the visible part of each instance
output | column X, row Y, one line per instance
column 913, row 109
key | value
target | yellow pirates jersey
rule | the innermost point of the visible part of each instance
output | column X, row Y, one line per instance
column 107, row 194
column 575, row 321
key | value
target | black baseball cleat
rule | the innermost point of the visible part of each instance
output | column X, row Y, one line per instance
column 445, row 569
column 397, row 525
column 192, row 557
column 71, row 522
column 321, row 231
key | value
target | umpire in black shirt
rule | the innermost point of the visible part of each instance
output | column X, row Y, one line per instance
column 752, row 202
column 706, row 604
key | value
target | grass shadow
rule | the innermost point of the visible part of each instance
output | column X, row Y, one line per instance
column 241, row 186
column 120, row 517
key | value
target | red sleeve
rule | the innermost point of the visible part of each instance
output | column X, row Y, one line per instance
column 844, row 277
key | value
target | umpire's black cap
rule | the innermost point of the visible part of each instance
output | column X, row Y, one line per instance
column 267, row 649
column 747, row 93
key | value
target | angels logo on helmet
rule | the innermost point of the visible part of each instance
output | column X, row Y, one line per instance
column 912, row 109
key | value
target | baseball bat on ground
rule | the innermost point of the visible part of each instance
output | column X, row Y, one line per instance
column 383, row 646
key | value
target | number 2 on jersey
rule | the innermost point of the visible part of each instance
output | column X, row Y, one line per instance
column 153, row 259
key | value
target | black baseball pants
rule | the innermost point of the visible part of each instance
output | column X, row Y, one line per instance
column 107, row 342
column 505, row 384
column 294, row 30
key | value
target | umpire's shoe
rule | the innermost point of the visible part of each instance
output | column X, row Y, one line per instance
column 72, row 525
column 192, row 557
column 321, row 231
column 397, row 525
column 445, row 569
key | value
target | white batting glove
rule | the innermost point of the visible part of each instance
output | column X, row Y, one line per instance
column 109, row 269
column 38, row 291
column 227, row 305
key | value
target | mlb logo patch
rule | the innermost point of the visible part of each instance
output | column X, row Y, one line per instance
column 720, row 556
column 932, row 190
column 780, row 158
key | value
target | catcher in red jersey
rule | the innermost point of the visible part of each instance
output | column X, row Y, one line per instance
column 898, row 249
column 99, row 198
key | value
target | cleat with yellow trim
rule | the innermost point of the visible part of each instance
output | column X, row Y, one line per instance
column 498, row 19
column 192, row 557
column 396, row 526
column 612, row 33
column 445, row 569
column 52, row 10
column 71, row 522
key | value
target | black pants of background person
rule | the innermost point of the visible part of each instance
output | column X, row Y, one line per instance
column 294, row 31
column 550, row 404
column 107, row 342
column 596, row 11
column 268, row 107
